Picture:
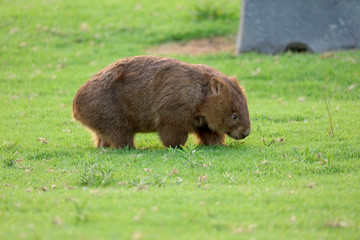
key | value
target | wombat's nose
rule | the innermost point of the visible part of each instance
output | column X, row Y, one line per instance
column 246, row 133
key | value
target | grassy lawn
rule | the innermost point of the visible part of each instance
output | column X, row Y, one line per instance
column 292, row 178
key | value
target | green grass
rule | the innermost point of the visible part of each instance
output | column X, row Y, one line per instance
column 289, row 179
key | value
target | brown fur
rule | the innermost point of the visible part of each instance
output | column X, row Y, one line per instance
column 163, row 95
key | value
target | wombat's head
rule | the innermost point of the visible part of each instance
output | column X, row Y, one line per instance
column 225, row 108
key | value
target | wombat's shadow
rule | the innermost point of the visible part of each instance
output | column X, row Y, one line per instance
column 239, row 146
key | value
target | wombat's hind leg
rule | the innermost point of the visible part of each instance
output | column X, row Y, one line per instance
column 121, row 138
column 206, row 136
column 172, row 136
column 101, row 142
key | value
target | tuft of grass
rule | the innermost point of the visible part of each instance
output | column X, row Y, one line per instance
column 190, row 155
column 96, row 174
column 8, row 162
column 81, row 209
column 307, row 156
column 211, row 11
column 144, row 183
column 328, row 160
column 327, row 104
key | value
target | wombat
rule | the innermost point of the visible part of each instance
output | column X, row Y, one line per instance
column 164, row 95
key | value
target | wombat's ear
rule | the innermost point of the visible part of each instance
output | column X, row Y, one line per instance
column 234, row 80
column 217, row 86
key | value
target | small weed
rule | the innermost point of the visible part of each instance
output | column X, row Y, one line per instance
column 96, row 174
column 144, row 183
column 190, row 155
column 178, row 180
column 262, row 165
column 296, row 151
column 139, row 183
column 171, row 153
column 8, row 162
column 328, row 161
column 267, row 144
column 158, row 181
column 81, row 211
column 11, row 162
column 229, row 178
column 327, row 103
column 202, row 182
column 312, row 156
column 7, row 145
column 307, row 156
column 87, row 174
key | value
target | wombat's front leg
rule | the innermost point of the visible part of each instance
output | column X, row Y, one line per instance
column 206, row 136
column 172, row 136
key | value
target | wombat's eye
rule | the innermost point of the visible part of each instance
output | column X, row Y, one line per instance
column 234, row 116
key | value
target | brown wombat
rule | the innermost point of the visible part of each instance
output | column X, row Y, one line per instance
column 164, row 95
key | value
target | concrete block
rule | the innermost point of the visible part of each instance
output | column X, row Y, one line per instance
column 275, row 26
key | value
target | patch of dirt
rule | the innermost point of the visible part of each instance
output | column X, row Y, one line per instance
column 197, row 47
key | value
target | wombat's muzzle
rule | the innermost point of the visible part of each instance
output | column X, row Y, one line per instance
column 240, row 134
column 246, row 133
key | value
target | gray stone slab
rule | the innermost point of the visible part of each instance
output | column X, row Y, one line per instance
column 274, row 26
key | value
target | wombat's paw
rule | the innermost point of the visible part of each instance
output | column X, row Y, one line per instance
column 144, row 148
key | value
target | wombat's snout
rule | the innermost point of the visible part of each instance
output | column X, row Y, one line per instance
column 246, row 133
column 240, row 134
